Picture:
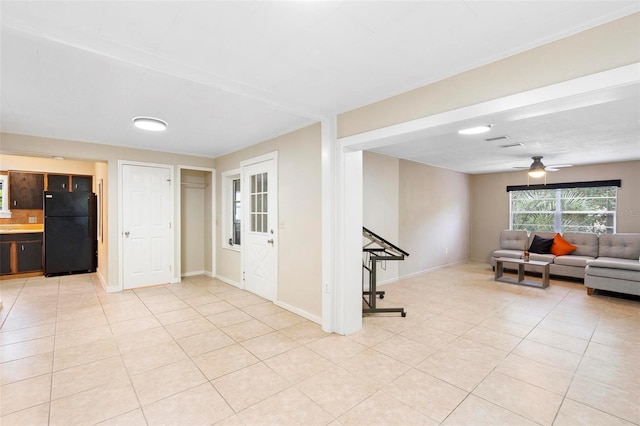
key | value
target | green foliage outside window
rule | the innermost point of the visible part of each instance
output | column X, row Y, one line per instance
column 565, row 210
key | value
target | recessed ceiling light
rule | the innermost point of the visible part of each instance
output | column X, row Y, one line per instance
column 475, row 130
column 150, row 123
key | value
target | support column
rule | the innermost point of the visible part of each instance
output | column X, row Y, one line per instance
column 341, row 234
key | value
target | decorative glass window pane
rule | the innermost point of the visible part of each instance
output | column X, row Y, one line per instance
column 259, row 212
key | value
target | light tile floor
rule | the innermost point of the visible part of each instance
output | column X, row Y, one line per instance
column 470, row 351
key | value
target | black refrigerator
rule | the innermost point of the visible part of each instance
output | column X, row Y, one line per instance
column 70, row 233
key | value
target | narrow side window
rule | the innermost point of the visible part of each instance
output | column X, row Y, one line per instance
column 231, row 209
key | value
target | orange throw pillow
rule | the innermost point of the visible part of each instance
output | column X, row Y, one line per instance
column 561, row 247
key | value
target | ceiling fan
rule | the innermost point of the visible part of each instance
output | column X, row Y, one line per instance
column 537, row 169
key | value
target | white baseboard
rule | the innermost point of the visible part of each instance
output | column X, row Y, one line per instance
column 435, row 268
column 209, row 274
column 389, row 281
column 413, row 274
column 192, row 273
column 288, row 307
column 101, row 279
column 298, row 311
column 228, row 281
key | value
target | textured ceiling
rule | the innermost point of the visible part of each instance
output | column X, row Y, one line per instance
column 597, row 127
column 226, row 75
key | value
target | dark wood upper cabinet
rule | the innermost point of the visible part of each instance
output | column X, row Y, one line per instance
column 69, row 183
column 58, row 182
column 25, row 190
column 81, row 183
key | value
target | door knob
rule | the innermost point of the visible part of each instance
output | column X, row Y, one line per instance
column 126, row 234
column 270, row 241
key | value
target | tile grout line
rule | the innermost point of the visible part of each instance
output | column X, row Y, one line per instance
column 13, row 302
column 53, row 355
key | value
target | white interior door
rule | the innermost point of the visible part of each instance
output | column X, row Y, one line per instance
column 147, row 212
column 260, row 226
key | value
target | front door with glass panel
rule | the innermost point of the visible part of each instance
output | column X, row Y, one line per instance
column 260, row 226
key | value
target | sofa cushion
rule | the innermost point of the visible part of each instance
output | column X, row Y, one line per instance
column 623, row 246
column 517, row 254
column 513, row 239
column 615, row 263
column 619, row 274
column 587, row 243
column 541, row 245
column 572, row 260
column 561, row 247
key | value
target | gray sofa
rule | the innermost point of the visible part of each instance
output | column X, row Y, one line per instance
column 617, row 267
column 609, row 262
column 512, row 245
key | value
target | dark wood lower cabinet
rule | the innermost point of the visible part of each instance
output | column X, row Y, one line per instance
column 29, row 256
column 20, row 253
column 5, row 258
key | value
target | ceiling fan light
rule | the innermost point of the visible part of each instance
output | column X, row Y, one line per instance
column 536, row 173
column 150, row 123
column 475, row 130
column 536, row 170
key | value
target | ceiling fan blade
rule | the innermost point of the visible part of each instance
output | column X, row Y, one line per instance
column 560, row 166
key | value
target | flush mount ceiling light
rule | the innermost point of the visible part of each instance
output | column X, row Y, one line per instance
column 475, row 130
column 536, row 170
column 150, row 123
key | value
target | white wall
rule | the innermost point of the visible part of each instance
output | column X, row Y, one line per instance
column 425, row 210
column 300, row 216
column 435, row 217
column 380, row 186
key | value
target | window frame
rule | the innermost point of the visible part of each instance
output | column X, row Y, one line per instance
column 558, row 212
column 227, row 208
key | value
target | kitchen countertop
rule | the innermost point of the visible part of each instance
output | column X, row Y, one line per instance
column 21, row 228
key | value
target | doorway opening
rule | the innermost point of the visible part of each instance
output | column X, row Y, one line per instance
column 196, row 246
